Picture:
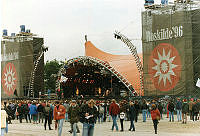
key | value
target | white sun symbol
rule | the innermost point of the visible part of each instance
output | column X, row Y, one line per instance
column 9, row 79
column 164, row 67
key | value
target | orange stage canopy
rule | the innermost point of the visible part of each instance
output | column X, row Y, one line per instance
column 124, row 64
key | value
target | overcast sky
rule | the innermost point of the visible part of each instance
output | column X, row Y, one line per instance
column 63, row 23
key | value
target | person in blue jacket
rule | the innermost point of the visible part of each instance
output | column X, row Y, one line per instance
column 34, row 112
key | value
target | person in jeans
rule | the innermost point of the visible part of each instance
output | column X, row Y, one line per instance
column 114, row 111
column 155, row 115
column 59, row 116
column 47, row 114
column 144, row 108
column 4, row 123
column 33, row 112
column 132, row 114
column 88, row 115
column 179, row 109
column 73, row 113
column 171, row 111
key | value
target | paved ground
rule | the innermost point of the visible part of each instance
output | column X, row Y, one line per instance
column 165, row 128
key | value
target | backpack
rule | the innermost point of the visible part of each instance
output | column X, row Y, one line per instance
column 101, row 110
column 47, row 111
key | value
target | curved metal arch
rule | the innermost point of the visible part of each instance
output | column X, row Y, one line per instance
column 103, row 64
column 133, row 50
column 32, row 78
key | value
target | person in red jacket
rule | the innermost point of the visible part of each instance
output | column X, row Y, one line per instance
column 114, row 111
column 59, row 116
column 155, row 115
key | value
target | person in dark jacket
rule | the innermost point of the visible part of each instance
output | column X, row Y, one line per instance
column 47, row 110
column 114, row 111
column 88, row 114
column 20, row 111
column 132, row 114
column 105, row 105
column 144, row 108
column 195, row 111
column 9, row 112
column 137, row 109
column 26, row 112
column 73, row 114
column 179, row 109
column 40, row 110
column 171, row 111
column 160, row 108
column 122, row 115
column 155, row 115
column 185, row 111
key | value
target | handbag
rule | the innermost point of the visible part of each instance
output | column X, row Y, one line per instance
column 157, row 117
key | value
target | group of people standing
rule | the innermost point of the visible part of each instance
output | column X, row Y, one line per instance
column 90, row 112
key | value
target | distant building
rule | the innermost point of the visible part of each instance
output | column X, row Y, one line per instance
column 19, row 57
column 171, row 50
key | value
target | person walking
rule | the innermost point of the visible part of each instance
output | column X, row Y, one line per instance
column 20, row 110
column 26, row 112
column 59, row 116
column 185, row 111
column 114, row 111
column 160, row 108
column 88, row 114
column 155, row 115
column 137, row 109
column 132, row 114
column 191, row 103
column 66, row 105
column 101, row 113
column 73, row 114
column 40, row 110
column 47, row 111
column 171, row 111
column 144, row 108
column 4, row 123
column 122, row 115
column 179, row 109
column 195, row 111
column 33, row 112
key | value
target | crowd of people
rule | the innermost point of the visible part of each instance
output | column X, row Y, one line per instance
column 91, row 112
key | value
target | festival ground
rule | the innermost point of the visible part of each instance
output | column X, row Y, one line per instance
column 165, row 128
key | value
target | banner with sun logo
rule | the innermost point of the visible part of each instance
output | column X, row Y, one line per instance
column 9, row 79
column 165, row 67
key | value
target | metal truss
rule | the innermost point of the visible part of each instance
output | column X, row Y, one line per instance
column 91, row 60
column 133, row 50
column 32, row 78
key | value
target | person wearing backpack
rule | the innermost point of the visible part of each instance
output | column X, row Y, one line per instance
column 47, row 110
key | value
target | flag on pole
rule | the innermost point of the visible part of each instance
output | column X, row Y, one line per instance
column 198, row 83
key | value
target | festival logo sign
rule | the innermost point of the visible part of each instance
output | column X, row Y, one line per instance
column 165, row 67
column 9, row 79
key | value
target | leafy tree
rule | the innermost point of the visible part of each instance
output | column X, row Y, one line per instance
column 51, row 69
